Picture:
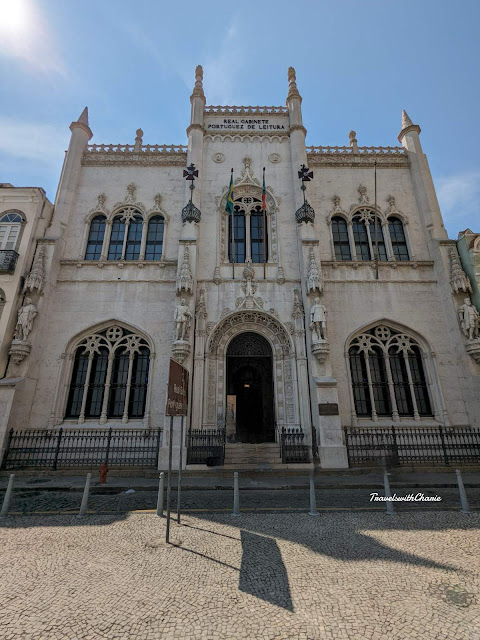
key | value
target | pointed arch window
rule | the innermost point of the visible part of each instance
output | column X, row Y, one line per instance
column 109, row 377
column 398, row 239
column 154, row 243
column 237, row 242
column 341, row 241
column 95, row 238
column 258, row 233
column 116, row 239
column 10, row 226
column 388, row 375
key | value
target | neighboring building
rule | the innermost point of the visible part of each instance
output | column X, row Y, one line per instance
column 468, row 245
column 307, row 331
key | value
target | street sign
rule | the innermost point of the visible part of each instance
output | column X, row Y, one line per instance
column 177, row 398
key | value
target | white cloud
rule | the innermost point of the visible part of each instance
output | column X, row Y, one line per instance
column 459, row 198
column 25, row 36
column 39, row 143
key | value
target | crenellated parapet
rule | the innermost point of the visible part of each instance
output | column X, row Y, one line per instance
column 357, row 156
column 134, row 154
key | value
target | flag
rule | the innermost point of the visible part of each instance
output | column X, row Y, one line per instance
column 264, row 193
column 229, row 201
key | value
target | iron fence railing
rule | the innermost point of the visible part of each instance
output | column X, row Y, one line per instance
column 412, row 445
column 8, row 260
column 206, row 446
column 63, row 448
column 292, row 445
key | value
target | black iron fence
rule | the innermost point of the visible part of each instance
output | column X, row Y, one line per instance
column 8, row 260
column 206, row 446
column 293, row 447
column 412, row 445
column 63, row 448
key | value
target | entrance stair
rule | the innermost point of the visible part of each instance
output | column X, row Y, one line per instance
column 252, row 456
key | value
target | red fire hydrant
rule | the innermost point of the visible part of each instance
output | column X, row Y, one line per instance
column 103, row 473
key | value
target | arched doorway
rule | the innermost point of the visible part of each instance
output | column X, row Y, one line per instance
column 250, row 389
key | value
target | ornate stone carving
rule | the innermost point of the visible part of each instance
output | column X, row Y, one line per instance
column 249, row 287
column 292, row 84
column 336, row 206
column 253, row 318
column 180, row 350
column 25, row 317
column 157, row 207
column 362, row 195
column 392, row 207
column 298, row 311
column 183, row 319
column 198, row 88
column 320, row 351
column 458, row 278
column 218, row 157
column 275, row 158
column 280, row 276
column 185, row 278
column 35, row 280
column 129, row 205
column 353, row 141
column 247, row 175
column 469, row 319
column 314, row 277
column 100, row 208
column 217, row 278
column 318, row 321
column 19, row 350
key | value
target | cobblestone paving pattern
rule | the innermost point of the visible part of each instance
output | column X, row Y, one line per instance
column 42, row 501
column 269, row 576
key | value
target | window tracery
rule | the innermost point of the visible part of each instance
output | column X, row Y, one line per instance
column 110, row 376
column 250, row 231
column 388, row 375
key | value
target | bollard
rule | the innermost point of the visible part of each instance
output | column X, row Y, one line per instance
column 7, row 498
column 160, row 496
column 388, row 494
column 83, row 506
column 236, row 498
column 313, row 503
column 463, row 495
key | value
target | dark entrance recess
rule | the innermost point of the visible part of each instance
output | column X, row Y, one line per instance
column 250, row 379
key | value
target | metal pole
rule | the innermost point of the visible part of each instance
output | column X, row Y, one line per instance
column 236, row 497
column 388, row 494
column 463, row 495
column 84, row 505
column 160, row 495
column 169, row 479
column 179, row 481
column 313, row 503
column 7, row 498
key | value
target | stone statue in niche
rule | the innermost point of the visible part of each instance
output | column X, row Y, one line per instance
column 318, row 321
column 183, row 318
column 26, row 315
column 469, row 319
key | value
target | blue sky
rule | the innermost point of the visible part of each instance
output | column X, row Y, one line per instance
column 358, row 62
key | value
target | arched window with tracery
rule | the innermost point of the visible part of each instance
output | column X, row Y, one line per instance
column 126, row 235
column 368, row 236
column 388, row 375
column 341, row 241
column 109, row 376
column 237, row 242
column 95, row 238
column 398, row 238
column 10, row 226
column 154, row 242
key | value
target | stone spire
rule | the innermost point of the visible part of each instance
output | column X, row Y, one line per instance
column 185, row 277
column 292, row 84
column 198, row 88
column 82, row 123
column 407, row 125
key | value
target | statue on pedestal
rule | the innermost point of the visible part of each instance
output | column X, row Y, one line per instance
column 318, row 320
column 26, row 315
column 469, row 319
column 183, row 318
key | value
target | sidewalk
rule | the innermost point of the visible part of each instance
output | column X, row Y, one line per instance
column 248, row 480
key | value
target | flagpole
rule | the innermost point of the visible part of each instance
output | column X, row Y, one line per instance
column 264, row 229
column 376, row 226
column 233, row 230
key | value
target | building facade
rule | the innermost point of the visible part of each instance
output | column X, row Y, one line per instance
column 295, row 302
